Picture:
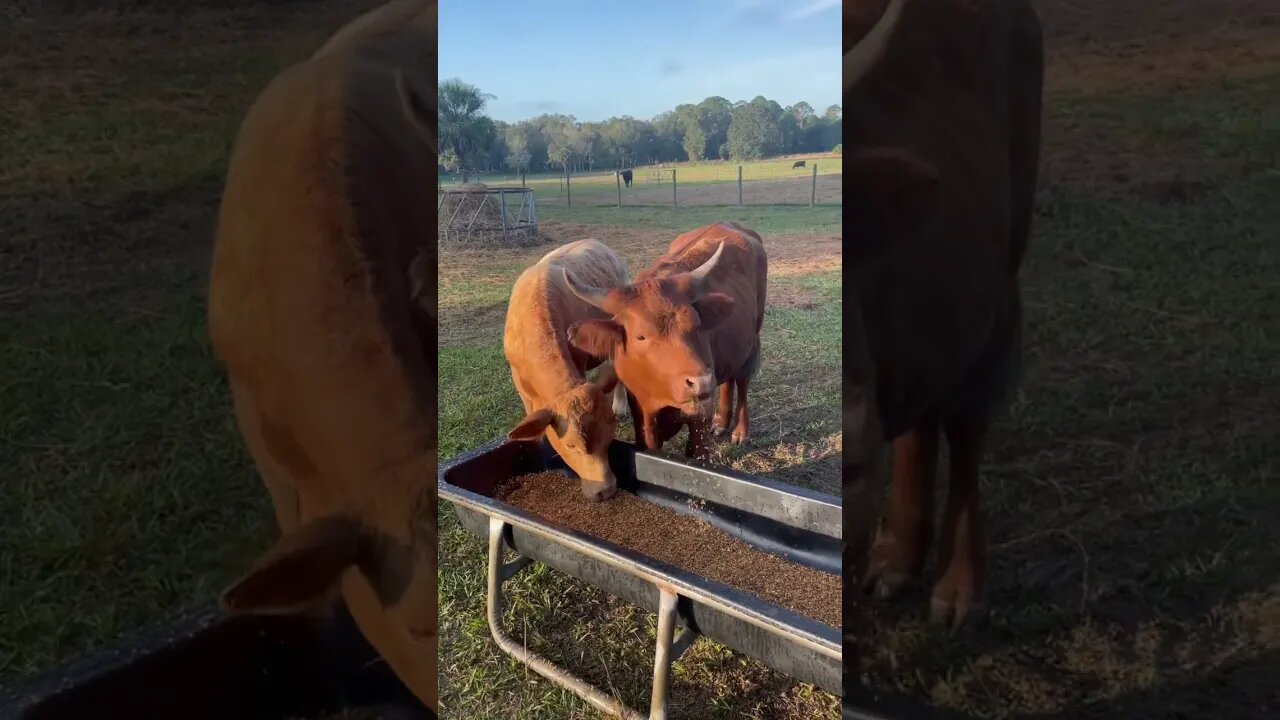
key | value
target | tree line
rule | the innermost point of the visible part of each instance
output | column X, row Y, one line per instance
column 715, row 128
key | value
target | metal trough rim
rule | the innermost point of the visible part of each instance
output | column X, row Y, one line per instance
column 787, row 623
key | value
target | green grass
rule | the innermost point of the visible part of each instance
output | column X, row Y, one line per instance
column 691, row 173
column 610, row 642
column 765, row 220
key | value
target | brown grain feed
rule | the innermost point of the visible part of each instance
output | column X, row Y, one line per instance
column 681, row 540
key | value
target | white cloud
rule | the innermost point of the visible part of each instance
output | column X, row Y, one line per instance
column 813, row 8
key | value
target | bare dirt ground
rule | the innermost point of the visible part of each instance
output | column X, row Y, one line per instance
column 1144, row 49
column 789, row 256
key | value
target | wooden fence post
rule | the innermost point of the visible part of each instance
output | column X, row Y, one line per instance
column 568, row 190
column 813, row 189
column 617, row 176
column 673, row 187
column 739, row 186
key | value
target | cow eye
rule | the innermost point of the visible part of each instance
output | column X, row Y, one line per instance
column 639, row 337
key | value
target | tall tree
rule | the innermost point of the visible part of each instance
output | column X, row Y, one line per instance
column 463, row 127
column 754, row 131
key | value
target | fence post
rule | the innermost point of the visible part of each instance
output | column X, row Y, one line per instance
column 739, row 186
column 502, row 196
column 673, row 187
column 617, row 176
column 522, row 179
column 813, row 189
column 568, row 190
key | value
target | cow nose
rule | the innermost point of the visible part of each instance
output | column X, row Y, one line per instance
column 596, row 492
column 700, row 386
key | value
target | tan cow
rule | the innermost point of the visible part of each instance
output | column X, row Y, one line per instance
column 322, row 310
column 685, row 326
column 573, row 414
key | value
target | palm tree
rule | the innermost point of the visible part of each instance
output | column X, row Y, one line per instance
column 464, row 129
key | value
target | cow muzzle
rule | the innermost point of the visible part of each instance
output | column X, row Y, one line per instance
column 699, row 391
column 600, row 491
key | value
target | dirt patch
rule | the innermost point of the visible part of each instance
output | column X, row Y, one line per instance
column 464, row 322
column 680, row 540
column 1156, row 46
column 1098, row 48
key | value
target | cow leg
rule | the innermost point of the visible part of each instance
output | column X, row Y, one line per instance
column 742, row 423
column 724, row 409
column 903, row 538
column 958, row 595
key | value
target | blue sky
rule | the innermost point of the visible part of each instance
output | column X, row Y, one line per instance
column 600, row 58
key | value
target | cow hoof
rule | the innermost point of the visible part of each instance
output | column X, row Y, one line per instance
column 739, row 437
column 955, row 606
column 887, row 577
column 718, row 430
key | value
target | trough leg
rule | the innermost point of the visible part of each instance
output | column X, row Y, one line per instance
column 499, row 572
column 662, row 654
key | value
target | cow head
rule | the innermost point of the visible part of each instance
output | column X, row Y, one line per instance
column 893, row 187
column 381, row 553
column 656, row 336
column 579, row 424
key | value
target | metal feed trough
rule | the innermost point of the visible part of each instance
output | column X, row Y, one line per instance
column 771, row 516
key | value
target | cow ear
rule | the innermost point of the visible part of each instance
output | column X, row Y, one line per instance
column 596, row 338
column 532, row 426
column 714, row 309
column 301, row 568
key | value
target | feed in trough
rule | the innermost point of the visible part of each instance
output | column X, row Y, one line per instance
column 681, row 540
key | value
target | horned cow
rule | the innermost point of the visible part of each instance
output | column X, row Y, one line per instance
column 574, row 415
column 943, row 177
column 322, row 310
column 685, row 326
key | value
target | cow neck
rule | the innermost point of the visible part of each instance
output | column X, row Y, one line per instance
column 562, row 374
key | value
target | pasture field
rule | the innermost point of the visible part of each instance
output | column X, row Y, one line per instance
column 1131, row 489
column 764, row 182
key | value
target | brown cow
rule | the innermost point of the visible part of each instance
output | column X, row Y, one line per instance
column 686, row 325
column 322, row 310
column 574, row 415
column 942, row 98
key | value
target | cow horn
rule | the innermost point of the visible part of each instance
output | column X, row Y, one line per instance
column 862, row 56
column 698, row 274
column 590, row 295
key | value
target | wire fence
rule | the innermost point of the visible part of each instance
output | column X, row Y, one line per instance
column 812, row 182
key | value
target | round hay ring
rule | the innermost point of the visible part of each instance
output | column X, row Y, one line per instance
column 476, row 214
